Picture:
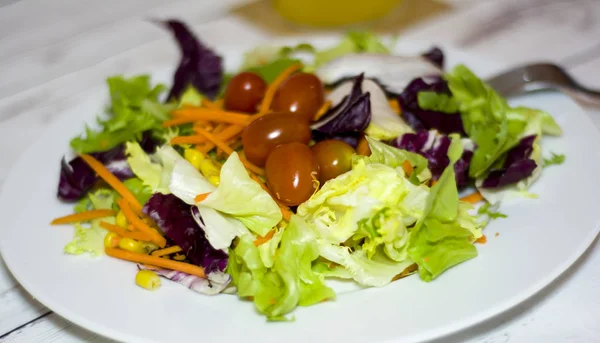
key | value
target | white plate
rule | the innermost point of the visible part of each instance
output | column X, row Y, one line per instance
column 539, row 240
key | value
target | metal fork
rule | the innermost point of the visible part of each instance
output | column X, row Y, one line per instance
column 542, row 76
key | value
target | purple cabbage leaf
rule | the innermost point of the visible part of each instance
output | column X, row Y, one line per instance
column 425, row 119
column 214, row 283
column 434, row 147
column 518, row 165
column 199, row 67
column 174, row 217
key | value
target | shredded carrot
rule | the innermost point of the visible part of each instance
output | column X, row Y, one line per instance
column 321, row 112
column 179, row 257
column 125, row 233
column 432, row 183
column 166, row 251
column 395, row 105
column 219, row 103
column 472, row 198
column 156, row 261
column 481, row 240
column 363, row 147
column 139, row 224
column 201, row 197
column 270, row 93
column 194, row 114
column 209, row 104
column 262, row 240
column 408, row 168
column 83, row 216
column 112, row 180
column 219, row 128
column 228, row 150
column 285, row 211
column 226, row 134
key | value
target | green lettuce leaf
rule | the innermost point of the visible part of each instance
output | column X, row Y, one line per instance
column 143, row 167
column 242, row 198
column 89, row 239
column 376, row 271
column 444, row 235
column 485, row 118
column 395, row 158
column 134, row 108
column 342, row 202
column 353, row 42
column 291, row 281
column 555, row 159
column 437, row 102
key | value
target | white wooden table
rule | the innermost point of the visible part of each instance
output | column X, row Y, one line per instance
column 54, row 52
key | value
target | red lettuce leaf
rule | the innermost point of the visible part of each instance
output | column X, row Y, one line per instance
column 434, row 148
column 76, row 177
column 517, row 165
column 199, row 66
column 175, row 219
column 436, row 56
column 420, row 119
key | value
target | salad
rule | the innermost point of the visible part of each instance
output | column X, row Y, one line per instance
column 303, row 165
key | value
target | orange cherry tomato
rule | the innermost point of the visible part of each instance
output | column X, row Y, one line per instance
column 271, row 130
column 334, row 158
column 291, row 170
column 244, row 92
column 302, row 94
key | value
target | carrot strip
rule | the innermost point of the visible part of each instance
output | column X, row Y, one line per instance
column 156, row 261
column 201, row 197
column 285, row 211
column 228, row 150
column 408, row 168
column 472, row 198
column 270, row 93
column 139, row 224
column 321, row 112
column 395, row 106
column 83, row 216
column 262, row 240
column 219, row 128
column 166, row 251
column 122, row 232
column 112, row 180
column 481, row 240
column 207, row 114
column 227, row 134
column 209, row 104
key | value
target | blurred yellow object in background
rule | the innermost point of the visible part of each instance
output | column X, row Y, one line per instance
column 329, row 13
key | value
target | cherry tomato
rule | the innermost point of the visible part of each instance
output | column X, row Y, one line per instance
column 244, row 92
column 334, row 158
column 302, row 94
column 271, row 130
column 290, row 171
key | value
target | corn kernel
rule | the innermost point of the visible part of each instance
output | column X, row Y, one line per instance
column 121, row 220
column 132, row 245
column 147, row 279
column 193, row 156
column 111, row 240
column 211, row 171
column 179, row 257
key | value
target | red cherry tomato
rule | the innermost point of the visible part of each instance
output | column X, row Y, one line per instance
column 244, row 92
column 302, row 94
column 290, row 171
column 334, row 158
column 271, row 130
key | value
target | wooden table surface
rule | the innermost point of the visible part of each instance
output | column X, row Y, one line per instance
column 54, row 52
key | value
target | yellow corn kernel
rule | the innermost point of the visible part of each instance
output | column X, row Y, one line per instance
column 132, row 245
column 147, row 279
column 121, row 220
column 111, row 240
column 193, row 156
column 210, row 171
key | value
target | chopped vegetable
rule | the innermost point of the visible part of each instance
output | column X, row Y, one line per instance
column 166, row 251
column 270, row 93
column 125, row 233
column 554, row 159
column 139, row 224
column 113, row 182
column 83, row 217
column 155, row 261
column 147, row 279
